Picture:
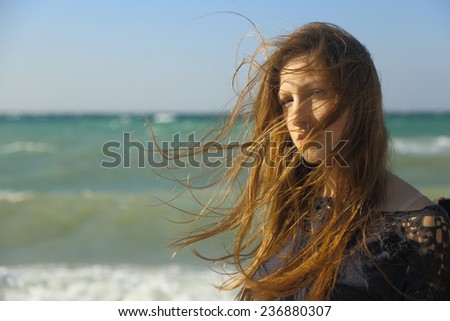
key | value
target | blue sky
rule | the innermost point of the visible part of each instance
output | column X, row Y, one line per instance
column 136, row 55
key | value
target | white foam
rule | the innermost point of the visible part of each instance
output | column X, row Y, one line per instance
column 105, row 282
column 439, row 145
column 119, row 122
column 27, row 146
column 164, row 117
column 14, row 197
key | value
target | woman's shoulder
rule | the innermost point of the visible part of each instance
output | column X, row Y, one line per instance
column 413, row 243
column 413, row 215
column 417, row 241
column 421, row 225
column 402, row 196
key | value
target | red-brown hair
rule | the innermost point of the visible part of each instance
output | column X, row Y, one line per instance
column 276, row 204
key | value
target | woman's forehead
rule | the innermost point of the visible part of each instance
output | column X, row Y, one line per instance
column 299, row 73
column 296, row 64
column 301, row 67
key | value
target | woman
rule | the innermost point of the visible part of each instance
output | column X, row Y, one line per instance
column 319, row 215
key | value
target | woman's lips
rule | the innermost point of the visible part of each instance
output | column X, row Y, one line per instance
column 301, row 134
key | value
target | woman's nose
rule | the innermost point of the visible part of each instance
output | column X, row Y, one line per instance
column 300, row 116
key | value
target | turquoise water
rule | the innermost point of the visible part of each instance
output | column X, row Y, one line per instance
column 420, row 145
column 62, row 212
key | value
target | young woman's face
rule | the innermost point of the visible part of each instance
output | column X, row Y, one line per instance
column 306, row 100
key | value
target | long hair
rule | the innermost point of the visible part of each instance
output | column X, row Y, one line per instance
column 274, row 208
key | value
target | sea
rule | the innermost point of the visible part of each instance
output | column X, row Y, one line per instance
column 87, row 213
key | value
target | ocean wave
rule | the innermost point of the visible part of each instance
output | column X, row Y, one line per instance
column 438, row 145
column 162, row 118
column 27, row 146
column 14, row 197
column 106, row 282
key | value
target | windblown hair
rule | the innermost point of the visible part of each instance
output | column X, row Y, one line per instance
column 275, row 208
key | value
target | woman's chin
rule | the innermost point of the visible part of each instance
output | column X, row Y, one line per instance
column 311, row 159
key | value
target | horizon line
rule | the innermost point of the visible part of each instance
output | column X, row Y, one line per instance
column 176, row 113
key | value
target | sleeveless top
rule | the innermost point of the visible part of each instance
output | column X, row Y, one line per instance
column 410, row 260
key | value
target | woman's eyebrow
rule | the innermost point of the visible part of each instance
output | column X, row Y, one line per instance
column 282, row 92
column 289, row 86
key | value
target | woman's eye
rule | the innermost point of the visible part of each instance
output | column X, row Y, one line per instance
column 314, row 92
column 286, row 102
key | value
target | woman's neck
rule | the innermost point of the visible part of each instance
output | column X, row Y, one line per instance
column 331, row 184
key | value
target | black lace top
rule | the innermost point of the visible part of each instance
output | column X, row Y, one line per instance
column 412, row 251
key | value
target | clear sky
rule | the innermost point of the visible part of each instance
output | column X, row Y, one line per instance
column 142, row 55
